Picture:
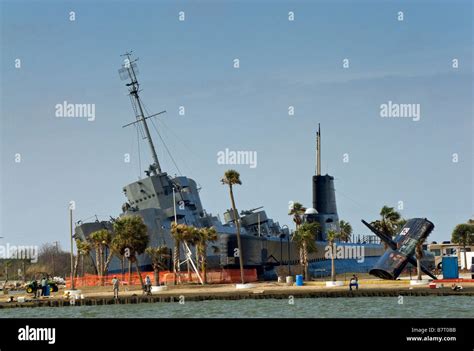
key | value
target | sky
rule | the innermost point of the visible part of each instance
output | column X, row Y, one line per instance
column 283, row 63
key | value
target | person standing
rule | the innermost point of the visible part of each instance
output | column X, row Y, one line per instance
column 44, row 286
column 148, row 285
column 115, row 284
column 34, row 287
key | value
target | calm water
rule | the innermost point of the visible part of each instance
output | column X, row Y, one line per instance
column 412, row 307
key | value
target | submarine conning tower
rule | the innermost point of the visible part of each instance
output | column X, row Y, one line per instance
column 324, row 197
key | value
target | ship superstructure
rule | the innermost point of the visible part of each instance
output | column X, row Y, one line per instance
column 161, row 199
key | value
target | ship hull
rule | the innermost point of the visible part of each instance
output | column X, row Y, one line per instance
column 261, row 253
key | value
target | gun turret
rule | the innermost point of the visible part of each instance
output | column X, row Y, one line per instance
column 247, row 212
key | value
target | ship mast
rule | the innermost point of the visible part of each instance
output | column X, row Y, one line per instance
column 130, row 70
column 318, row 151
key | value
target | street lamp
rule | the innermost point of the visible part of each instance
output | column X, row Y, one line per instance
column 288, row 248
column 281, row 236
column 72, row 206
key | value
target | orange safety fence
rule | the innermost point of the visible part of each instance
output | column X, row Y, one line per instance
column 216, row 276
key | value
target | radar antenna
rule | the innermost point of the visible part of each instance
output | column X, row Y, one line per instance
column 129, row 70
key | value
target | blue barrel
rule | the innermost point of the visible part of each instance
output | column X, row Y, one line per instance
column 299, row 280
column 450, row 267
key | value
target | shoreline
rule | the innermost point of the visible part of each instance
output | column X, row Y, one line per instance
column 95, row 296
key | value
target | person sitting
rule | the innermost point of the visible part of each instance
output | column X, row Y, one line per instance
column 456, row 287
column 354, row 282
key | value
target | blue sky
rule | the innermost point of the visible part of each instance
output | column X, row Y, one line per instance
column 282, row 63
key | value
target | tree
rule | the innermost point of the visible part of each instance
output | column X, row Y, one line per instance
column 463, row 235
column 390, row 222
column 346, row 230
column 101, row 240
column 305, row 237
column 158, row 256
column 50, row 259
column 178, row 232
column 332, row 237
column 297, row 211
column 120, row 247
column 231, row 178
column 132, row 239
column 419, row 256
column 205, row 236
column 83, row 250
column 117, row 247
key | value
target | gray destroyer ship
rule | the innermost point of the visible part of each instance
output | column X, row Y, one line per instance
column 160, row 199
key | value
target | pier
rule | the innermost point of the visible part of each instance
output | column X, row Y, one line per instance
column 181, row 294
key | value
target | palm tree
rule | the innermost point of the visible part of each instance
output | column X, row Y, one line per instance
column 305, row 237
column 116, row 246
column 158, row 256
column 178, row 232
column 390, row 222
column 463, row 235
column 101, row 241
column 419, row 256
column 205, row 235
column 231, row 178
column 132, row 239
column 121, row 250
column 297, row 211
column 83, row 250
column 346, row 230
column 332, row 237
